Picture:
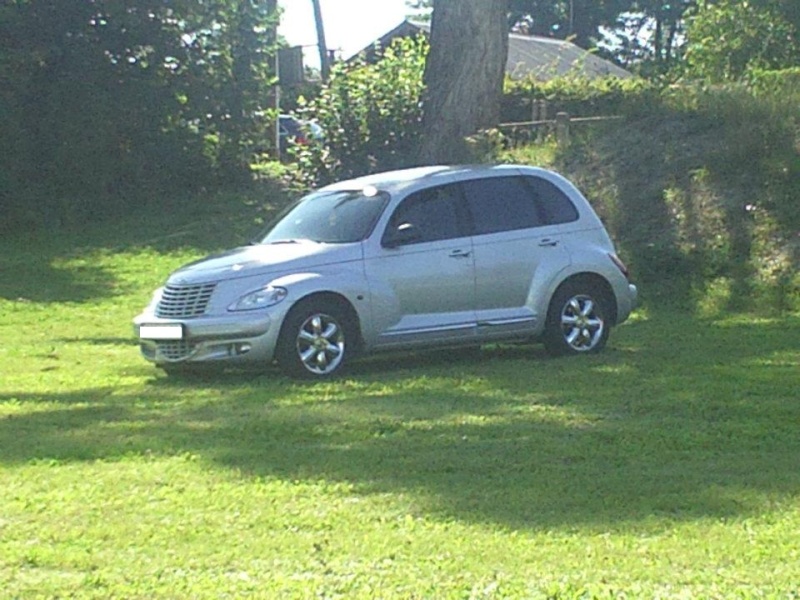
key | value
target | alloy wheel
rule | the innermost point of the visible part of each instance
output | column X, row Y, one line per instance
column 320, row 344
column 582, row 323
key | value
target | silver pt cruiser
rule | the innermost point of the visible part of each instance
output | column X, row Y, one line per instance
column 399, row 260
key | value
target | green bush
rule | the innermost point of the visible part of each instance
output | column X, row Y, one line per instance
column 578, row 96
column 727, row 39
column 778, row 83
column 371, row 115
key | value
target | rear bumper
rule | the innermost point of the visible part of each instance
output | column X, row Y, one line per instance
column 627, row 303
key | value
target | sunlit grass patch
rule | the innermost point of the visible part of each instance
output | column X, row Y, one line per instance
column 665, row 466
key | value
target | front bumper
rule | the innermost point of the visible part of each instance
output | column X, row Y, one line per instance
column 234, row 338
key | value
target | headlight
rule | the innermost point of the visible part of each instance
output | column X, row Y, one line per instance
column 266, row 296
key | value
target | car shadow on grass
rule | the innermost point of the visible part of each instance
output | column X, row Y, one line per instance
column 679, row 421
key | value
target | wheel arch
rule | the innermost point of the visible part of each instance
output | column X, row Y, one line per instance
column 596, row 281
column 338, row 300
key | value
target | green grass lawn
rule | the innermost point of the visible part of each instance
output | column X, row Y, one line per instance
column 666, row 467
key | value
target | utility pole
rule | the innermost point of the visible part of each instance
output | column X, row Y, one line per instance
column 324, row 58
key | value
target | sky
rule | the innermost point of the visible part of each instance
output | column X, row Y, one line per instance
column 350, row 25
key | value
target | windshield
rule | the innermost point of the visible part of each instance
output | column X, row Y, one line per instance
column 330, row 217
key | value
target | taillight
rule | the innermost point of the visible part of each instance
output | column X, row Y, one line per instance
column 620, row 265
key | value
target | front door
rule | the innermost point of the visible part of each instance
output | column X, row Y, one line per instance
column 421, row 276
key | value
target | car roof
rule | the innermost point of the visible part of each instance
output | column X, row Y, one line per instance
column 403, row 179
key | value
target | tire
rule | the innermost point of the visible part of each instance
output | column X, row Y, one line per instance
column 577, row 320
column 315, row 340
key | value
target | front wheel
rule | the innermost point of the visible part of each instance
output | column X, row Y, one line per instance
column 314, row 341
column 577, row 320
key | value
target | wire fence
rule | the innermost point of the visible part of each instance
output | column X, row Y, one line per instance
column 525, row 132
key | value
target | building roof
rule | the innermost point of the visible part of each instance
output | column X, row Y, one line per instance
column 528, row 55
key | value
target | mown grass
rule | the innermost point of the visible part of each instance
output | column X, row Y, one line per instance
column 664, row 467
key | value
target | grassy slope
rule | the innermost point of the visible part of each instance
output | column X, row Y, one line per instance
column 700, row 189
column 704, row 203
column 666, row 466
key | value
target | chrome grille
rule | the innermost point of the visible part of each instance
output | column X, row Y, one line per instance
column 184, row 301
column 175, row 350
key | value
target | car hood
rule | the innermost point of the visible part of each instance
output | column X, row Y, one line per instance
column 265, row 258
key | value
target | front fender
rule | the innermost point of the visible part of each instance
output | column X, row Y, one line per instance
column 350, row 284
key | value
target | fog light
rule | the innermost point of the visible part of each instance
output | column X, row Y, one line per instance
column 239, row 349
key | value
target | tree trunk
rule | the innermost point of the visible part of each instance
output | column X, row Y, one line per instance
column 658, row 43
column 463, row 75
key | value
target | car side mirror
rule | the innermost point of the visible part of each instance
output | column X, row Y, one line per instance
column 403, row 234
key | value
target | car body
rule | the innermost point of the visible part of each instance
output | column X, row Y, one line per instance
column 299, row 132
column 431, row 256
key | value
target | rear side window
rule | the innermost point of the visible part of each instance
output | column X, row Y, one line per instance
column 501, row 204
column 554, row 205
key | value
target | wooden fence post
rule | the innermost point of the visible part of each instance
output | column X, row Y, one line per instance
column 542, row 117
column 562, row 129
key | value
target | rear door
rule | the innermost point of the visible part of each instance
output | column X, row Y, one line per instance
column 516, row 241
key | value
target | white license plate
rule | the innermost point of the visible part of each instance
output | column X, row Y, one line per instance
column 164, row 331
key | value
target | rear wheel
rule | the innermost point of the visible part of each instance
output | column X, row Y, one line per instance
column 315, row 340
column 577, row 320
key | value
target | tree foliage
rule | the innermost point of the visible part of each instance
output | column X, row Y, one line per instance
column 104, row 100
column 371, row 116
column 729, row 38
column 644, row 34
column 648, row 35
column 578, row 20
column 106, row 103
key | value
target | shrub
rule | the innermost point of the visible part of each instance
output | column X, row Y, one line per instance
column 371, row 116
column 578, row 96
column 777, row 83
column 729, row 38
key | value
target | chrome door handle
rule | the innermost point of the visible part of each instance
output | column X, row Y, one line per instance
column 548, row 243
column 460, row 254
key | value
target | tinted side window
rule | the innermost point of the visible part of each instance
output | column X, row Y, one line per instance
column 427, row 216
column 554, row 204
column 501, row 204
